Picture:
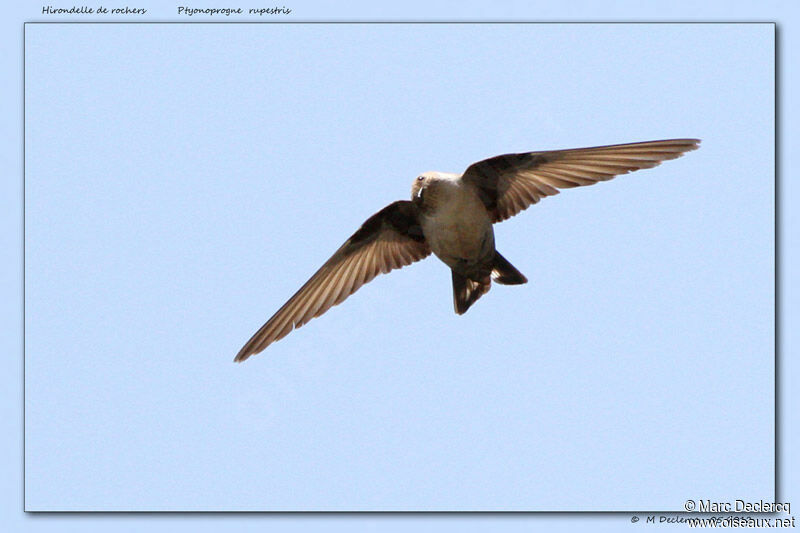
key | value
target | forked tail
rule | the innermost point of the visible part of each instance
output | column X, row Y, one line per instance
column 466, row 291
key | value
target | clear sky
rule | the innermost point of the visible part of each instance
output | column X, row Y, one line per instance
column 182, row 181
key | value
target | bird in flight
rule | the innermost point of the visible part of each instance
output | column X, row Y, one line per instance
column 452, row 215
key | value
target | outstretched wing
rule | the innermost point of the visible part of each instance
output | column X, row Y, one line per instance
column 391, row 238
column 510, row 183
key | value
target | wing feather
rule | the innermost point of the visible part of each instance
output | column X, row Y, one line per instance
column 511, row 183
column 390, row 239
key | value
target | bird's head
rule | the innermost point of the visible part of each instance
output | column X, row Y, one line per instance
column 423, row 186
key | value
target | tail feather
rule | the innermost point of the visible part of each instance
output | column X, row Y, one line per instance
column 504, row 272
column 466, row 291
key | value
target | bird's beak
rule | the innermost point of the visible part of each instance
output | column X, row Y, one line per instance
column 419, row 193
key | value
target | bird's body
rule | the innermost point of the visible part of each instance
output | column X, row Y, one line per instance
column 455, row 222
column 452, row 216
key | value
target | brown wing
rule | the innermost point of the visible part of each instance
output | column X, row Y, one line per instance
column 389, row 239
column 512, row 182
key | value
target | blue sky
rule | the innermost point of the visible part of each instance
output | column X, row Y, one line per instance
column 183, row 181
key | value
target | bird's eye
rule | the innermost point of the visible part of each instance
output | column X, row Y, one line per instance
column 420, row 178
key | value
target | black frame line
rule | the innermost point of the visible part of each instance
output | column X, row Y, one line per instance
column 777, row 281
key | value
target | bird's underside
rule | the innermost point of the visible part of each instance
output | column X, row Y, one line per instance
column 452, row 215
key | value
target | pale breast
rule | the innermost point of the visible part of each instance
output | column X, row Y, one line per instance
column 459, row 228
